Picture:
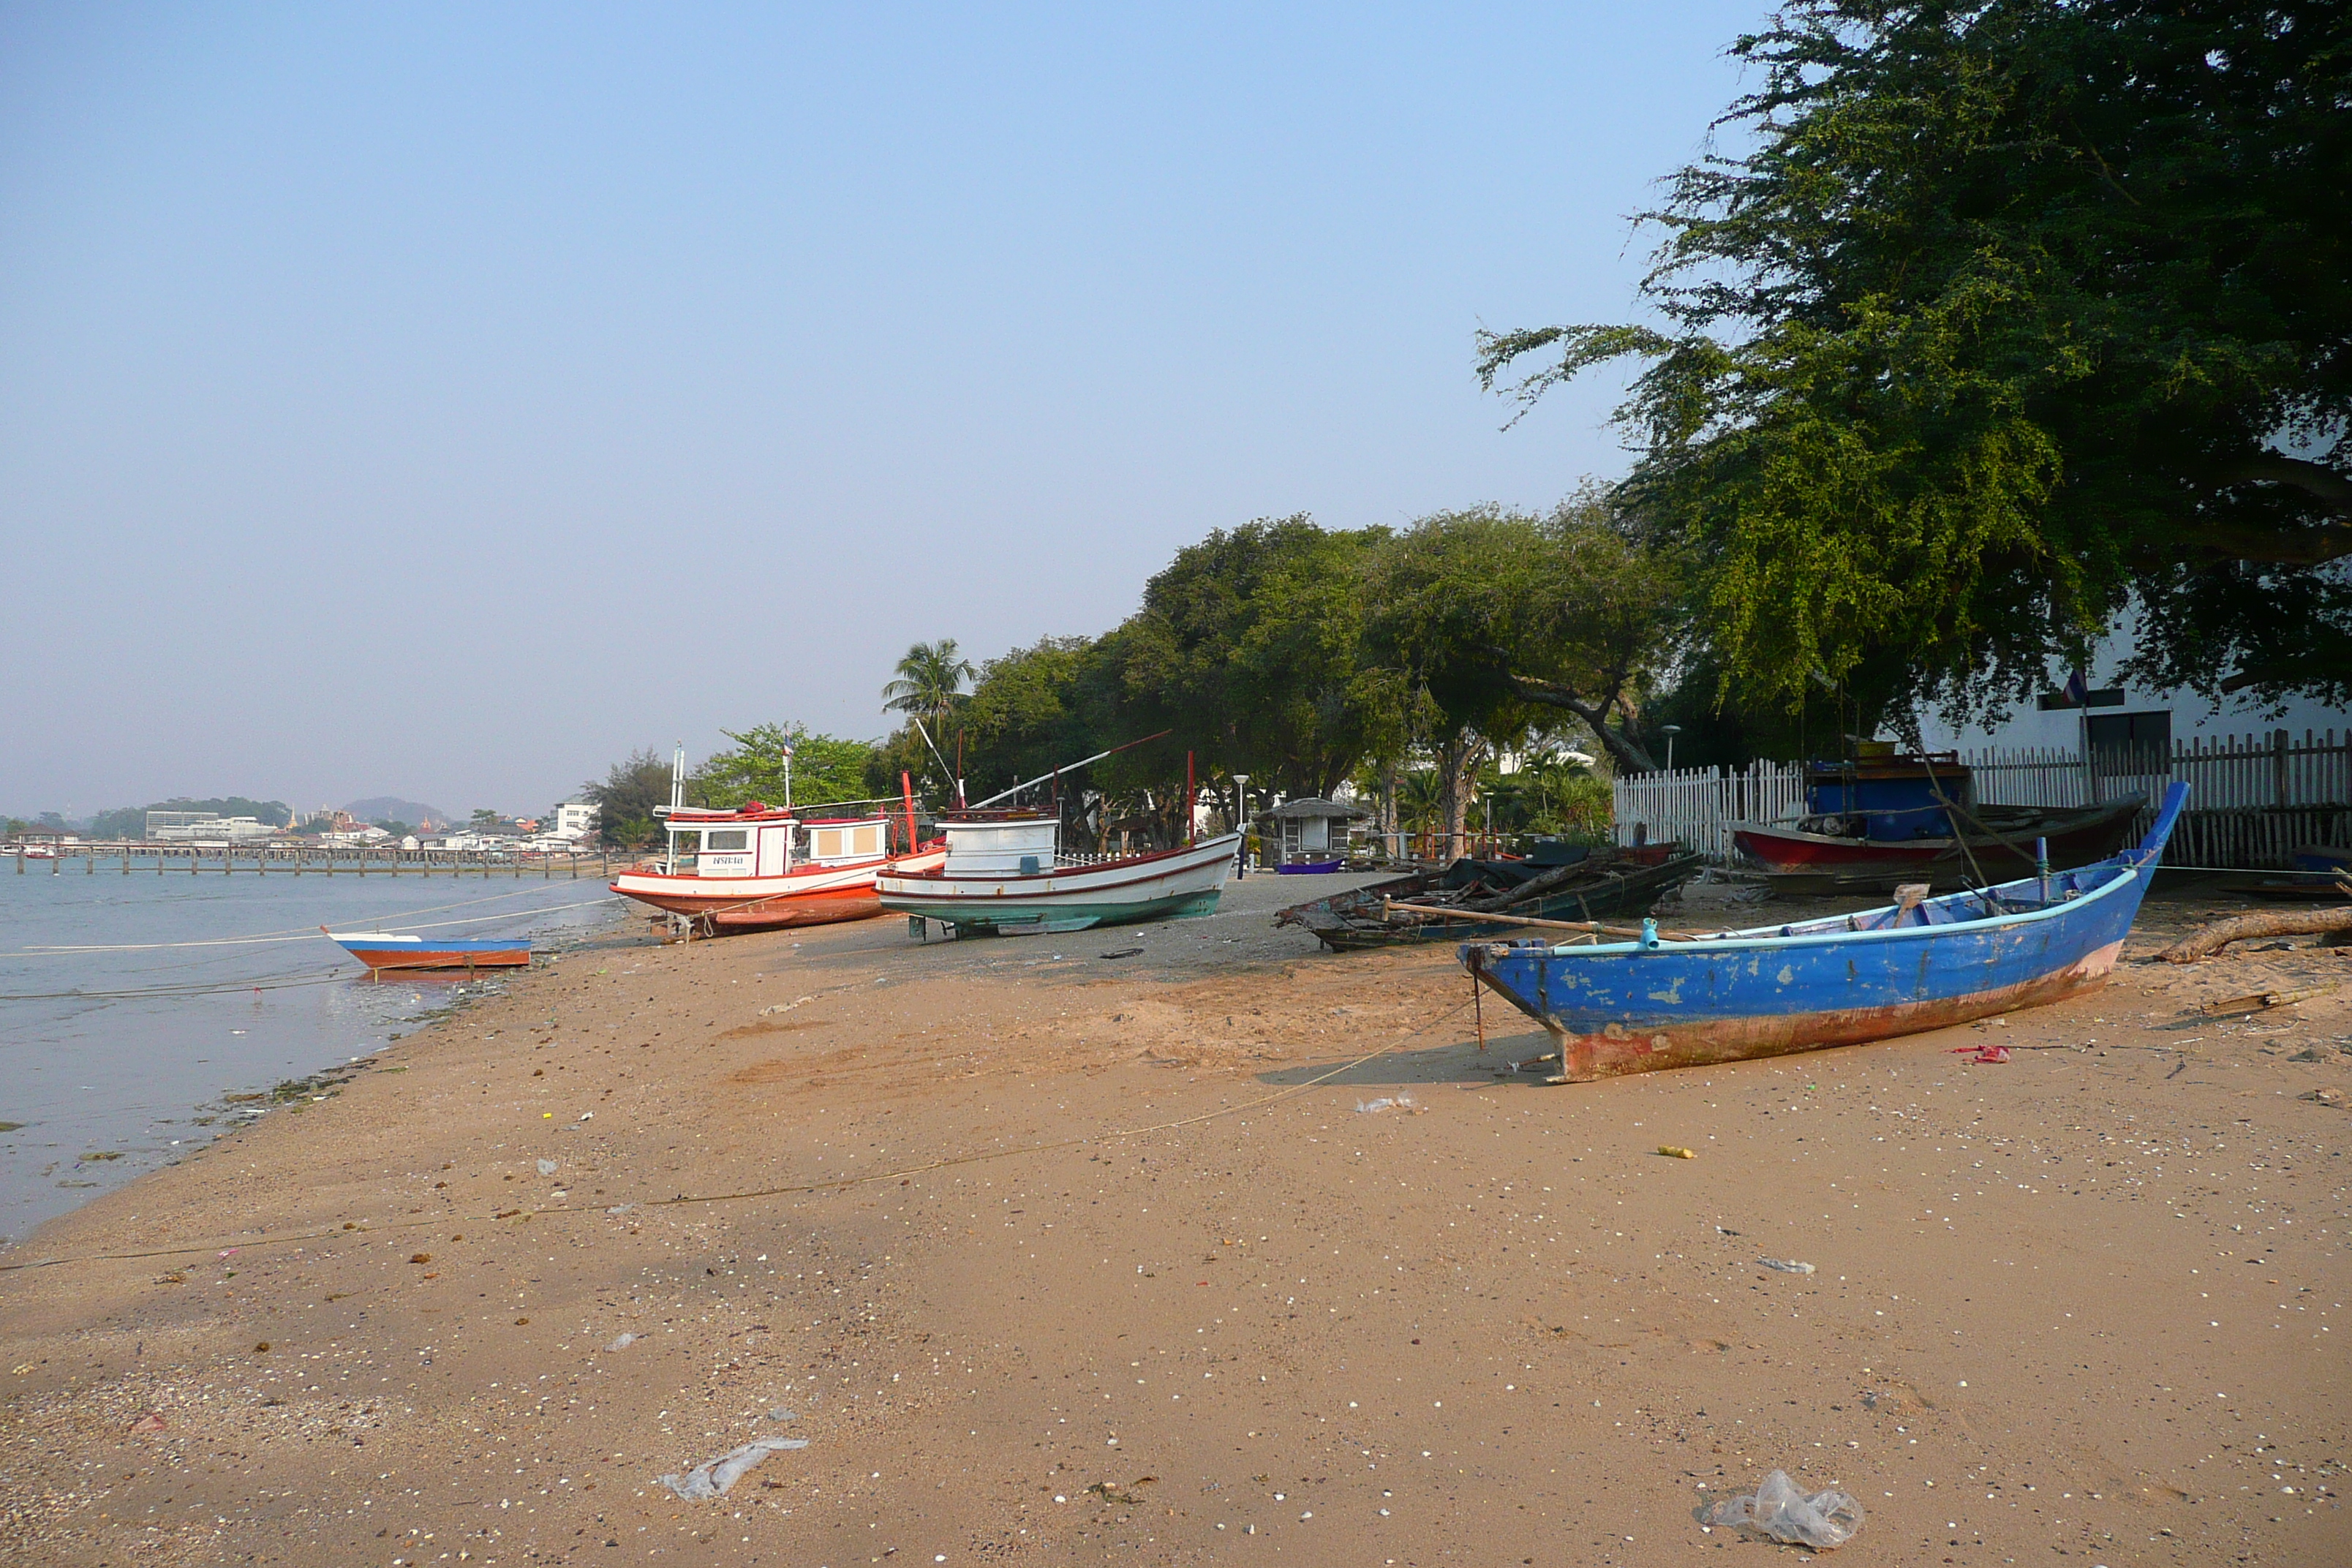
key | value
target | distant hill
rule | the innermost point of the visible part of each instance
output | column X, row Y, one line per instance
column 391, row 808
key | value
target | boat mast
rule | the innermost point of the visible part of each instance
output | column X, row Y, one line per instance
column 676, row 800
column 1068, row 767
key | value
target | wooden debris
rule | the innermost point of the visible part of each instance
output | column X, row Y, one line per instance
column 2263, row 1001
column 2209, row 939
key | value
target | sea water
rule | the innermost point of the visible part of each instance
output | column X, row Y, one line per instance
column 132, row 1008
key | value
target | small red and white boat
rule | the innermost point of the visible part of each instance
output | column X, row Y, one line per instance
column 756, row 868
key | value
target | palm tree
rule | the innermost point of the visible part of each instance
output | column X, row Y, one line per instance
column 930, row 680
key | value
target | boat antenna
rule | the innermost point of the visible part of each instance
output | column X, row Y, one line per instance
column 1066, row 767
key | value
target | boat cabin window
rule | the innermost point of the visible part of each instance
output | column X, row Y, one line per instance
column 856, row 841
column 718, row 838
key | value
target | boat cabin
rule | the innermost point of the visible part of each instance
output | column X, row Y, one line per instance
column 1001, row 846
column 758, row 840
column 1887, row 796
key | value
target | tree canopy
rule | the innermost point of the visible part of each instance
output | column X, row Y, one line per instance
column 1299, row 655
column 2012, row 319
column 929, row 680
column 824, row 768
column 1252, row 643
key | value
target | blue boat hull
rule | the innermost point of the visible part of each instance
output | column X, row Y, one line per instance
column 1644, row 1005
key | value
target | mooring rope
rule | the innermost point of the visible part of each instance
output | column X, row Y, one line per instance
column 311, row 933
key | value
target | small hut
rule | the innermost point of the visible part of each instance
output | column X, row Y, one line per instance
column 1309, row 835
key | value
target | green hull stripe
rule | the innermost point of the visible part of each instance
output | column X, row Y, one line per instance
column 1067, row 916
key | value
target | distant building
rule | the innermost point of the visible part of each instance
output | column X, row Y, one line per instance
column 2097, row 715
column 574, row 819
column 205, row 827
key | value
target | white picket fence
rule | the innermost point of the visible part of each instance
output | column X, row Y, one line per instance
column 1701, row 806
column 2252, row 799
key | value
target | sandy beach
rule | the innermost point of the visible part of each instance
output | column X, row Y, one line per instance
column 1089, row 1247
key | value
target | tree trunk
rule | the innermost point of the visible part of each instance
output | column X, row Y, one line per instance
column 1624, row 745
column 1457, row 770
column 2209, row 939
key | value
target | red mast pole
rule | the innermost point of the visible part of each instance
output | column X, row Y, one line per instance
column 906, row 784
column 1190, row 837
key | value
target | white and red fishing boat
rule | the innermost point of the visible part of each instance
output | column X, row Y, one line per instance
column 757, row 867
column 1001, row 874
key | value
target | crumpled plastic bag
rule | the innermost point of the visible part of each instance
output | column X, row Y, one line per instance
column 713, row 1477
column 1825, row 1521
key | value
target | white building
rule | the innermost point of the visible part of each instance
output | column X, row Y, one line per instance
column 574, row 819
column 205, row 827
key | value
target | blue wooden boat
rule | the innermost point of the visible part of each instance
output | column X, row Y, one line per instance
column 1658, row 1002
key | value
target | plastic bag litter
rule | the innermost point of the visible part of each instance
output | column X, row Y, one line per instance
column 1374, row 1106
column 1786, row 1265
column 713, row 1477
column 1825, row 1521
column 623, row 1342
column 547, row 1167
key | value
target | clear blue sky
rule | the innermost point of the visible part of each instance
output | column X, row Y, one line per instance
column 442, row 401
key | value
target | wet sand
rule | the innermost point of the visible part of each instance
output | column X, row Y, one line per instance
column 1052, row 1254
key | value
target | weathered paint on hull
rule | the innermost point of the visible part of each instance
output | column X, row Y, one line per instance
column 821, row 895
column 391, row 958
column 1169, row 885
column 1616, row 1051
column 1010, row 917
column 1642, row 1007
column 774, row 913
column 1785, row 849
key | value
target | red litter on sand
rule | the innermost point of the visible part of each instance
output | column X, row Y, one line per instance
column 1983, row 1053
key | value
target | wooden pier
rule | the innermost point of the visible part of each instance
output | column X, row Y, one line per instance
column 141, row 855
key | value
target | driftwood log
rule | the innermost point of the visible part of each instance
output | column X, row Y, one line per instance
column 2208, row 940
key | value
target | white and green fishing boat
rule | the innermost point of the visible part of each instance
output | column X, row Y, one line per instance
column 1004, row 874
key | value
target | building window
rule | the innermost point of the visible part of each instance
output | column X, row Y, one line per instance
column 2116, row 735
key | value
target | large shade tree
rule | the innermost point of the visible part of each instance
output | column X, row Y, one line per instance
column 1251, row 645
column 2007, row 321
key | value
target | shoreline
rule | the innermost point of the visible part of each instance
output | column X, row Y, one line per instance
column 147, row 1019
column 1055, row 1220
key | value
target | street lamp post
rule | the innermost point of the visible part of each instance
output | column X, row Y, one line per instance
column 1670, row 732
column 1240, row 823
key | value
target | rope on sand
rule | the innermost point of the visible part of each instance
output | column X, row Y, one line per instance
column 837, row 1184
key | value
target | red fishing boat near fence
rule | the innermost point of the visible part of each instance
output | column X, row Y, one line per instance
column 1883, row 818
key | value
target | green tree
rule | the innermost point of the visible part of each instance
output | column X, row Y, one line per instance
column 1251, row 645
column 2012, row 315
column 824, row 768
column 1435, row 617
column 1028, row 713
column 626, row 796
column 930, row 681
